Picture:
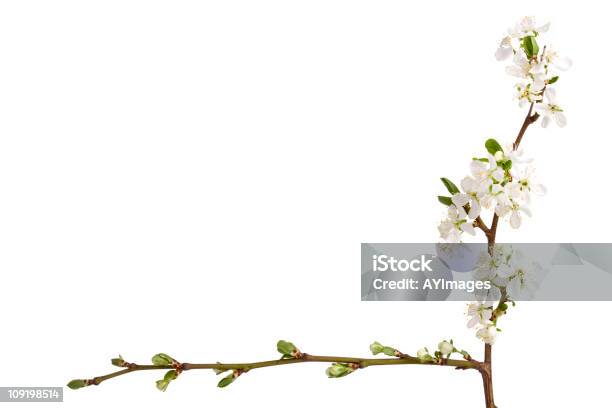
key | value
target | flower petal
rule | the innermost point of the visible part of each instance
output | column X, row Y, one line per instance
column 474, row 209
column 562, row 63
column 468, row 227
column 560, row 119
column 460, row 199
column 503, row 53
column 515, row 71
column 515, row 219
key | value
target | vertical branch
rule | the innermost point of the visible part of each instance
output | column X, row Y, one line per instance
column 487, row 367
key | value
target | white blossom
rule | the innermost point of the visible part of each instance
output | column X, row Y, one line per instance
column 525, row 94
column 523, row 184
column 505, row 49
column 551, row 57
column 536, row 63
column 528, row 69
column 524, row 276
column 487, row 333
column 445, row 348
column 527, row 27
column 472, row 190
column 423, row 354
column 479, row 313
column 454, row 224
column 486, row 172
column 515, row 215
column 550, row 110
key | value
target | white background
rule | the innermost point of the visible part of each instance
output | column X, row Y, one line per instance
column 195, row 178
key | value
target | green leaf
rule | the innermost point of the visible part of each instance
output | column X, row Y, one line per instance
column 162, row 359
column 162, row 385
column 493, row 146
column 481, row 159
column 389, row 351
column 376, row 348
column 445, row 200
column 450, row 186
column 170, row 375
column 553, row 80
column 225, row 381
column 530, row 46
column 506, row 165
column 76, row 384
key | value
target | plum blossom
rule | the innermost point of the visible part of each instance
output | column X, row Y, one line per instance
column 527, row 27
column 487, row 333
column 550, row 110
column 505, row 49
column 524, row 278
column 536, row 64
column 486, row 171
column 525, row 94
column 469, row 197
column 551, row 57
column 515, row 215
column 523, row 184
column 455, row 223
column 494, row 267
column 446, row 348
column 527, row 69
column 504, row 181
column 479, row 313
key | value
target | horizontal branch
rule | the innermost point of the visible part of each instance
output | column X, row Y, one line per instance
column 357, row 362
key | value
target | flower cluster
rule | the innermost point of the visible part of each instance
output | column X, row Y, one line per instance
column 445, row 350
column 480, row 316
column 502, row 181
column 510, row 269
column 537, row 70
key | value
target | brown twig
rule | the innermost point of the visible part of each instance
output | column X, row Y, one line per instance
column 403, row 359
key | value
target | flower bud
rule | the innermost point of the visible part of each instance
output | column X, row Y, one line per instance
column 338, row 370
column 376, row 348
column 162, row 385
column 445, row 348
column 225, row 381
column 423, row 355
column 288, row 349
column 119, row 361
column 487, row 334
column 76, row 384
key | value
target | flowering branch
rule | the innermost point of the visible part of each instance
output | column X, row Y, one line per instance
column 500, row 181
